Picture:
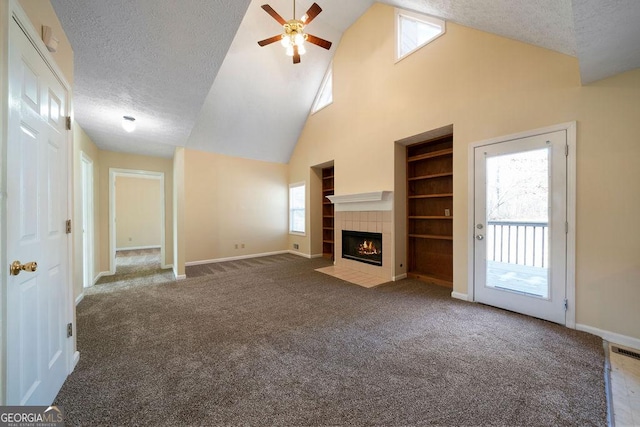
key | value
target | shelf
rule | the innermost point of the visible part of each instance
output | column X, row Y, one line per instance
column 430, row 237
column 437, row 175
column 431, row 155
column 432, row 196
column 327, row 177
column 327, row 203
column 430, row 217
column 327, row 228
column 430, row 278
column 326, row 190
column 328, row 241
column 327, row 216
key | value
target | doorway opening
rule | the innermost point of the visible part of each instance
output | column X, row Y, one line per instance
column 137, row 222
column 88, row 241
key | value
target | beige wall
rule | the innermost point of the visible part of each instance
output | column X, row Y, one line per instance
column 138, row 212
column 40, row 12
column 488, row 86
column 229, row 201
column 109, row 160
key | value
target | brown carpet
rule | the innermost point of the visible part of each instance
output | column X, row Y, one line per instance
column 272, row 342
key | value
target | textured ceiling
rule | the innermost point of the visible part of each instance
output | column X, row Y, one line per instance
column 181, row 69
column 155, row 63
column 608, row 37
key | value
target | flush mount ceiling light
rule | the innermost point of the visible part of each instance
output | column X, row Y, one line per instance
column 294, row 37
column 128, row 123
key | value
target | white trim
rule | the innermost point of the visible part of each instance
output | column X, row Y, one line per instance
column 399, row 277
column 139, row 248
column 76, row 359
column 373, row 201
column 420, row 18
column 88, row 205
column 571, row 133
column 612, row 337
column 102, row 274
column 179, row 276
column 132, row 173
column 235, row 258
column 302, row 254
column 79, row 298
column 460, row 296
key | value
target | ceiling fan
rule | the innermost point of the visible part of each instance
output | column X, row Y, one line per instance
column 294, row 37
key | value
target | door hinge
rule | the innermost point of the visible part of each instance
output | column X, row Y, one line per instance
column 69, row 330
column 68, row 122
column 566, row 304
column 68, row 226
column 566, row 151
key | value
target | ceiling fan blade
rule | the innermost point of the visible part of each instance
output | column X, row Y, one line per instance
column 274, row 14
column 318, row 41
column 296, row 55
column 270, row 40
column 313, row 11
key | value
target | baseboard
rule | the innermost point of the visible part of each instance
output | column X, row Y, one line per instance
column 460, row 296
column 79, row 298
column 303, row 255
column 178, row 276
column 399, row 277
column 101, row 274
column 235, row 258
column 612, row 337
column 316, row 256
column 139, row 248
column 76, row 359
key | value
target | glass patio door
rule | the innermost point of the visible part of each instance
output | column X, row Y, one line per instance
column 520, row 225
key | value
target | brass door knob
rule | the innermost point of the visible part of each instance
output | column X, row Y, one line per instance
column 16, row 267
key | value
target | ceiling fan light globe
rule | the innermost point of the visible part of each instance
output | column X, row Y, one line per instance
column 289, row 50
column 286, row 41
column 301, row 49
column 299, row 39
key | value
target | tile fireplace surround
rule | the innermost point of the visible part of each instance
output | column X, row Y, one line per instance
column 369, row 212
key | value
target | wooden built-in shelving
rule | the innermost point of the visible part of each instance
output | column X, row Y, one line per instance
column 430, row 211
column 328, row 249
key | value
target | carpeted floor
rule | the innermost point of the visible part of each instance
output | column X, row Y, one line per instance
column 272, row 342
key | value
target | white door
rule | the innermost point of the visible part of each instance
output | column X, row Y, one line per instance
column 37, row 205
column 520, row 225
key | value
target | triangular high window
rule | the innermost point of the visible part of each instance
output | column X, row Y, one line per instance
column 325, row 94
column 414, row 31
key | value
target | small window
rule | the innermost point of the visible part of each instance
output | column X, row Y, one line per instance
column 414, row 31
column 296, row 208
column 325, row 94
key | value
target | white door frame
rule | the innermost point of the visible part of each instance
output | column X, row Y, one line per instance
column 570, row 128
column 88, row 242
column 113, row 174
column 8, row 11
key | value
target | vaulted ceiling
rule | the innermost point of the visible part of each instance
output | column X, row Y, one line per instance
column 192, row 74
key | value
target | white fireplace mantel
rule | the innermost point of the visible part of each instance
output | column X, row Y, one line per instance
column 374, row 201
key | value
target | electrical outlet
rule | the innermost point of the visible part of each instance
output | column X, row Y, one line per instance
column 242, row 245
column 447, row 212
column 236, row 246
column 296, row 246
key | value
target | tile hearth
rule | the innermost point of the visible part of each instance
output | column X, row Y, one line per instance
column 352, row 276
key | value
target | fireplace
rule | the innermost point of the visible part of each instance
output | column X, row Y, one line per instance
column 362, row 246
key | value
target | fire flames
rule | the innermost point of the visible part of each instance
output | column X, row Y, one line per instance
column 367, row 248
